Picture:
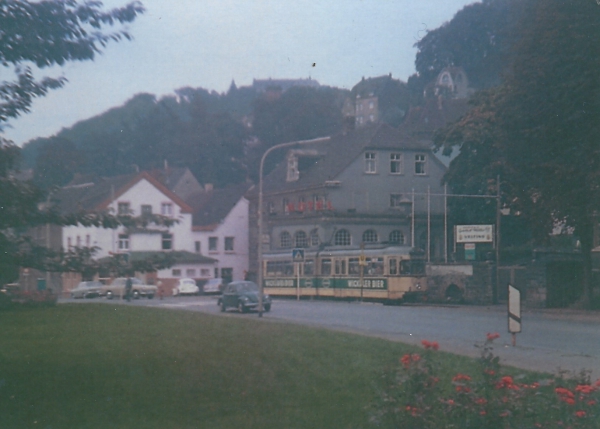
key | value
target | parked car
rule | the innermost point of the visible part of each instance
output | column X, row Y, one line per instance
column 117, row 288
column 89, row 289
column 186, row 287
column 213, row 286
column 243, row 295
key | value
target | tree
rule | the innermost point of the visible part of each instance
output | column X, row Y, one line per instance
column 57, row 163
column 542, row 127
column 43, row 33
column 47, row 33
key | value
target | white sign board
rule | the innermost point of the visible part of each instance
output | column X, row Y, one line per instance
column 474, row 233
column 514, row 310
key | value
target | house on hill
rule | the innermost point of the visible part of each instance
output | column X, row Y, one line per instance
column 365, row 187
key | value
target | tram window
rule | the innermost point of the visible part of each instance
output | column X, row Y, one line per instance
column 309, row 267
column 326, row 267
column 288, row 268
column 340, row 266
column 375, row 266
column 353, row 267
column 393, row 267
column 272, row 267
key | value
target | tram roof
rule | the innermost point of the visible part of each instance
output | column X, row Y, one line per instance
column 336, row 252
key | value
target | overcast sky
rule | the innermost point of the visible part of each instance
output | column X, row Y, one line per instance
column 207, row 43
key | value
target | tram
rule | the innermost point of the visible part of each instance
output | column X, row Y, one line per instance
column 387, row 274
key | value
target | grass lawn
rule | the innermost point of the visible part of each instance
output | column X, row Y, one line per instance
column 99, row 366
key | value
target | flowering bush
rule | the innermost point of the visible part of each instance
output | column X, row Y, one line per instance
column 418, row 395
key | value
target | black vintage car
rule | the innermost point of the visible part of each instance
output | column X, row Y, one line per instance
column 243, row 295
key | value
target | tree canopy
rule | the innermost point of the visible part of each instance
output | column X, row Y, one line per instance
column 41, row 34
column 540, row 130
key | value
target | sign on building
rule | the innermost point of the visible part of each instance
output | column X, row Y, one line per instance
column 474, row 233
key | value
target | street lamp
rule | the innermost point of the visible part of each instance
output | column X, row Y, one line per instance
column 260, row 209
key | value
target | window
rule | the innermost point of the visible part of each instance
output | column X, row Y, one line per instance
column 271, row 208
column 286, row 205
column 176, row 272
column 227, row 274
column 166, row 209
column 78, row 241
column 396, row 200
column 342, row 238
column 69, row 244
column 213, row 244
column 198, row 247
column 300, row 239
column 370, row 236
column 216, row 273
column 190, row 272
column 393, row 267
column 204, row 272
column 309, row 267
column 229, row 244
column 325, row 267
column 146, row 210
column 123, row 208
column 340, row 267
column 353, row 267
column 292, row 169
column 420, row 161
column 396, row 237
column 314, row 237
column 285, row 240
column 123, row 242
column 167, row 241
column 371, row 105
column 370, row 164
column 396, row 163
column 88, row 240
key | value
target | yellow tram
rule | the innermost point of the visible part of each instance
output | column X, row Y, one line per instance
column 387, row 274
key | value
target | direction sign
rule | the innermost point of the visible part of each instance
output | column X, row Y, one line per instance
column 298, row 255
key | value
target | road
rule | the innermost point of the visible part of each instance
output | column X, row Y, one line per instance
column 550, row 339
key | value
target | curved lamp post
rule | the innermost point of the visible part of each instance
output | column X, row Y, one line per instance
column 260, row 210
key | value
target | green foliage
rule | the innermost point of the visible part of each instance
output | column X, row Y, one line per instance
column 477, row 39
column 57, row 163
column 48, row 33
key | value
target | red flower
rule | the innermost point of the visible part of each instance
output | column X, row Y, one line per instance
column 461, row 377
column 430, row 345
column 481, row 401
column 492, row 336
column 580, row 413
column 586, row 389
column 405, row 360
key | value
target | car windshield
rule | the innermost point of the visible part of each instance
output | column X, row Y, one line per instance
column 188, row 282
column 247, row 287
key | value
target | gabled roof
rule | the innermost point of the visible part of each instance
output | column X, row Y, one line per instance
column 211, row 207
column 338, row 153
column 98, row 195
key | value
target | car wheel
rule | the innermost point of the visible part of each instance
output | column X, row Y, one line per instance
column 242, row 308
column 109, row 295
column 136, row 294
column 267, row 307
column 223, row 308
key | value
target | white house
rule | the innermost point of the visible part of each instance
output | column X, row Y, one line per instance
column 139, row 194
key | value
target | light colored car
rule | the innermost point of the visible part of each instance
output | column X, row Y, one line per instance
column 90, row 289
column 138, row 289
column 186, row 287
column 213, row 286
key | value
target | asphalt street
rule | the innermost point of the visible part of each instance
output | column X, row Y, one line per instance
column 550, row 339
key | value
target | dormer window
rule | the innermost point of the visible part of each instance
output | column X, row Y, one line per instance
column 293, row 173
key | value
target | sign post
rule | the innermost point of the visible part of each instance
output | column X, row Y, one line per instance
column 514, row 312
column 298, row 258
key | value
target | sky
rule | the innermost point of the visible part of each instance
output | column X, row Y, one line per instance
column 209, row 43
